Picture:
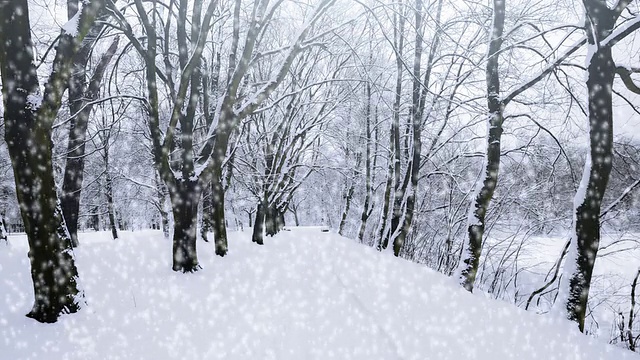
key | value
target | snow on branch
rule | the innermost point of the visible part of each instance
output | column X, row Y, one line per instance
column 617, row 201
column 548, row 69
column 71, row 27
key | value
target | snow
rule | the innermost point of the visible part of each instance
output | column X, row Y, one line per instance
column 306, row 294
column 620, row 30
column 34, row 101
column 71, row 26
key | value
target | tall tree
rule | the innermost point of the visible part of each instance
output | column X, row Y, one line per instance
column 600, row 23
column 471, row 252
column 28, row 117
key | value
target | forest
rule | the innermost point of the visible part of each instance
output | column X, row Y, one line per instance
column 495, row 142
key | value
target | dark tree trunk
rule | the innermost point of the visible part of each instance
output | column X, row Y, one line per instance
column 95, row 219
column 28, row 119
column 468, row 266
column 280, row 224
column 273, row 221
column 184, row 201
column 3, row 231
column 588, row 201
column 53, row 269
column 219, row 221
column 347, row 206
column 270, row 220
column 110, row 207
column 294, row 210
column 258, row 225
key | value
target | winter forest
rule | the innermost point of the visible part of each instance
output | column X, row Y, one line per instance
column 316, row 179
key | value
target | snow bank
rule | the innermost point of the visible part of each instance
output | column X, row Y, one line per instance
column 306, row 294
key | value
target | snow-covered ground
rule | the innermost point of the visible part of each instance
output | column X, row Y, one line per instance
column 306, row 294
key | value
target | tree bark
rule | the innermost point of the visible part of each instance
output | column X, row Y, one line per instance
column 108, row 189
column 349, row 196
column 3, row 231
column 586, row 239
column 184, row 200
column 219, row 220
column 270, row 228
column 280, row 224
column 258, row 225
column 273, row 220
column 28, row 119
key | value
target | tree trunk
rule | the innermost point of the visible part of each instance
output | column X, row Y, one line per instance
column 184, row 200
column 280, row 224
column 28, row 118
column 367, row 165
column 347, row 205
column 587, row 202
column 53, row 269
column 258, row 225
column 468, row 265
column 270, row 220
column 294, row 210
column 3, row 231
column 95, row 218
column 161, row 198
column 274, row 221
column 108, row 189
column 219, row 221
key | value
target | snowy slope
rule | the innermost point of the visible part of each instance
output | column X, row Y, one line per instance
column 304, row 295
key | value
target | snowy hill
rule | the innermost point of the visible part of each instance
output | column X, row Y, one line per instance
column 306, row 294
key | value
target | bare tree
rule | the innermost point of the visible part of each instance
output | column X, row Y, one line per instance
column 600, row 26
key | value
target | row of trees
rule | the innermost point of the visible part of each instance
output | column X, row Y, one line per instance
column 232, row 108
